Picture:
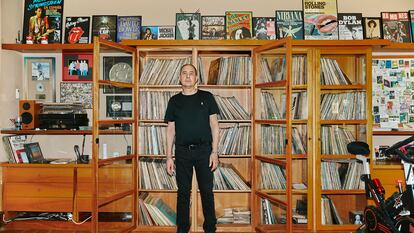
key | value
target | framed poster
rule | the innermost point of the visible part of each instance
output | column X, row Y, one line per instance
column 117, row 69
column 320, row 19
column 188, row 26
column 264, row 28
column 129, row 27
column 372, row 27
column 396, row 26
column 239, row 25
column 40, row 78
column 104, row 26
column 350, row 26
column 77, row 67
column 166, row 32
column 289, row 23
column 40, row 23
column 77, row 30
column 213, row 27
column 149, row 33
column 76, row 92
column 119, row 106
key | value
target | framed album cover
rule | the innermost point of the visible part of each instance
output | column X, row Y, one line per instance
column 213, row 27
column 350, row 26
column 129, row 27
column 289, row 23
column 372, row 27
column 77, row 67
column 119, row 106
column 41, row 24
column 149, row 33
column 166, row 32
column 40, row 78
column 117, row 69
column 239, row 25
column 77, row 30
column 104, row 26
column 76, row 92
column 264, row 28
column 320, row 19
column 188, row 26
column 396, row 26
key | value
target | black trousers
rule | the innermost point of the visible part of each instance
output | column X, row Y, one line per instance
column 187, row 157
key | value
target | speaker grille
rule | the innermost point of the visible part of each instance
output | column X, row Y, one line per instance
column 26, row 106
column 27, row 118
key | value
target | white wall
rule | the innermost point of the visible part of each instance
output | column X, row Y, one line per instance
column 11, row 15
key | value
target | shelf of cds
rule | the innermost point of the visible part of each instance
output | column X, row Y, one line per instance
column 343, row 97
column 282, row 151
column 226, row 72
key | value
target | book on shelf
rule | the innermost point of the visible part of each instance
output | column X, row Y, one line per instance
column 160, row 71
column 234, row 140
column 154, row 104
column 330, row 214
column 341, row 175
column 226, row 177
column 235, row 70
column 14, row 145
column 154, row 211
column 334, row 139
column 344, row 106
column 332, row 73
column 153, row 139
column 154, row 176
column 235, row 215
column 267, row 215
column 231, row 109
column 272, row 176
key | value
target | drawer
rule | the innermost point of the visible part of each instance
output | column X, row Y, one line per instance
column 51, row 190
column 38, row 204
column 38, row 175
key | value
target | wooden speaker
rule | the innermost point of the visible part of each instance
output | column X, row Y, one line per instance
column 28, row 111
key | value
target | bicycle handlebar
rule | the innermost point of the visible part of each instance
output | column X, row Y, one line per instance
column 394, row 149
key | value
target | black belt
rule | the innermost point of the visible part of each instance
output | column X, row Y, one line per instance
column 193, row 146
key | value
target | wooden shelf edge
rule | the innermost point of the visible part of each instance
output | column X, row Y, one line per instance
column 45, row 47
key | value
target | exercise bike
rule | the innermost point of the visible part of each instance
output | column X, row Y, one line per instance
column 394, row 214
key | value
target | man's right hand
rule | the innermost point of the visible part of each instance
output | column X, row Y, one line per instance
column 170, row 166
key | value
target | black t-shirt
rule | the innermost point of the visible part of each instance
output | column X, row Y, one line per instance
column 191, row 114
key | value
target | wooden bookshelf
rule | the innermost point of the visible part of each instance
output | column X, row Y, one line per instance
column 209, row 50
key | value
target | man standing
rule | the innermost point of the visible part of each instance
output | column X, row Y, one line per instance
column 192, row 122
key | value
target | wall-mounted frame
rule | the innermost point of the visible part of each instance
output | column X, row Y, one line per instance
column 40, row 78
column 77, row 67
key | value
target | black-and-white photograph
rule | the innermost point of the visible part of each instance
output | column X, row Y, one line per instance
column 73, row 92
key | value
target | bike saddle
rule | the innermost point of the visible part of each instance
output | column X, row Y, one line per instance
column 358, row 148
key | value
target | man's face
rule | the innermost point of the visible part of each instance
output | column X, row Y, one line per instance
column 356, row 31
column 38, row 12
column 188, row 77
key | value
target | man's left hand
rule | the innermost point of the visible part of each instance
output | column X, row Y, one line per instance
column 214, row 161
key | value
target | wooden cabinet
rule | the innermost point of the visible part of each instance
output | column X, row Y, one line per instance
column 61, row 188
